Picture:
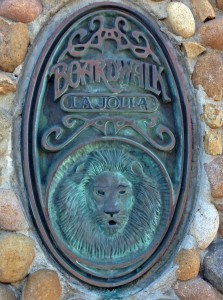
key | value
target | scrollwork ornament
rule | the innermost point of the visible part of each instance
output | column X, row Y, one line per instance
column 101, row 123
column 82, row 40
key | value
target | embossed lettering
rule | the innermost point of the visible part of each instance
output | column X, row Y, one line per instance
column 112, row 73
column 72, row 102
column 60, row 78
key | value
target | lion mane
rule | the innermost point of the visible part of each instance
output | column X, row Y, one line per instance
column 78, row 225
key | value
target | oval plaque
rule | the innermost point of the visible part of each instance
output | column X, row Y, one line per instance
column 106, row 144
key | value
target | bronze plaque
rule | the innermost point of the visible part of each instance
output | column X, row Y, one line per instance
column 106, row 144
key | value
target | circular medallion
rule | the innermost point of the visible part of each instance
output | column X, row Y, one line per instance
column 110, row 201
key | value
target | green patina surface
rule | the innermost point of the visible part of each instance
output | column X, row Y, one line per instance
column 106, row 144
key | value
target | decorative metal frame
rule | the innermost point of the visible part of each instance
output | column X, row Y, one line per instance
column 55, row 130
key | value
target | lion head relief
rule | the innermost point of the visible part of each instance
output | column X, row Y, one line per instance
column 110, row 200
column 107, row 205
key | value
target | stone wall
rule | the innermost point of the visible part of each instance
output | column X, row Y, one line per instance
column 195, row 28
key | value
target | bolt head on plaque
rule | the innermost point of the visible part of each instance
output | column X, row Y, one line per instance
column 106, row 144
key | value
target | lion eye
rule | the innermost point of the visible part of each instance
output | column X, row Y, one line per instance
column 122, row 192
column 101, row 193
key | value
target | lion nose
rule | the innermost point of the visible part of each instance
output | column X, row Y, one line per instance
column 110, row 208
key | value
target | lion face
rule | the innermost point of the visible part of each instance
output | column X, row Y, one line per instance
column 106, row 205
column 110, row 201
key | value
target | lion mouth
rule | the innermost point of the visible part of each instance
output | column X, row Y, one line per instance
column 112, row 223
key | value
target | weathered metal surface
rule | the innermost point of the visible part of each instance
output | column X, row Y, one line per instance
column 106, row 144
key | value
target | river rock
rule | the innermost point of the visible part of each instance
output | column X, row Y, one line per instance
column 213, row 115
column 11, row 214
column 6, row 293
column 211, row 33
column 24, row 11
column 188, row 261
column 213, row 265
column 7, row 84
column 48, row 281
column 16, row 255
column 205, row 225
column 219, row 207
column 203, row 9
column 14, row 40
column 219, row 4
column 215, row 175
column 193, row 49
column 180, row 19
column 195, row 289
column 213, row 142
column 208, row 73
